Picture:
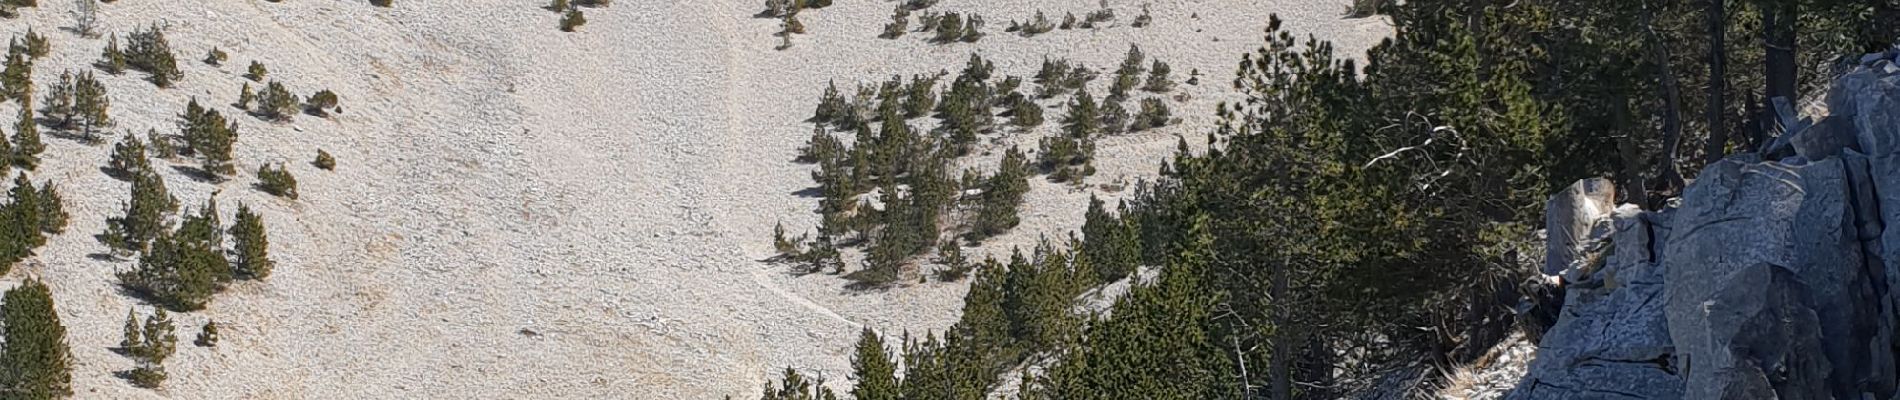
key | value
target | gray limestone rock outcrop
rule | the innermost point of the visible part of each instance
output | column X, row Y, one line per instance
column 1771, row 279
column 1576, row 221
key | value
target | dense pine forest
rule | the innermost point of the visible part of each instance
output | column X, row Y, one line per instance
column 1347, row 216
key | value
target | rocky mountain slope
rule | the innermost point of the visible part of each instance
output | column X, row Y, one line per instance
column 1773, row 277
column 520, row 212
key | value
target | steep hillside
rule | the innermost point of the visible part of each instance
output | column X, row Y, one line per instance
column 520, row 212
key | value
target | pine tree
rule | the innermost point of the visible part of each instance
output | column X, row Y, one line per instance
column 209, row 136
column 1158, row 344
column 324, row 161
column 160, row 341
column 276, row 102
column 16, row 80
column 128, row 157
column 36, row 44
column 23, row 212
column 59, row 101
column 144, row 218
column 1113, row 248
column 134, row 342
column 1158, row 80
column 207, row 336
column 162, row 147
column 277, row 181
column 202, row 236
column 113, row 59
column 1001, row 195
column 574, row 18
column 256, row 72
column 1084, row 118
column 795, row 387
column 147, row 50
column 176, row 272
column 216, row 57
column 320, row 103
column 51, row 209
column 1154, row 114
column 91, row 104
column 26, row 137
column 876, row 372
column 245, row 95
column 38, row 361
column 251, row 246
column 1115, row 118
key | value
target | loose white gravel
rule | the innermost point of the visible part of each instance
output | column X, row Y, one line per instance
column 519, row 212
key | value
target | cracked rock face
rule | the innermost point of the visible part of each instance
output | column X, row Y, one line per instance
column 1772, row 279
column 1574, row 221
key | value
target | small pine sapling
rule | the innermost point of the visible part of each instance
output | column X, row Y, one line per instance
column 324, row 161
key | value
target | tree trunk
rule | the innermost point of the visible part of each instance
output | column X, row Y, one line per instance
column 1671, row 175
column 1632, row 155
column 1778, row 34
column 1282, row 335
column 1717, row 146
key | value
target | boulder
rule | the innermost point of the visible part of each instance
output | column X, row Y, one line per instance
column 1765, row 342
column 1612, row 340
column 1766, row 279
column 1738, row 215
column 1570, row 218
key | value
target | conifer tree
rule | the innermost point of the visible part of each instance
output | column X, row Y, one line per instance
column 144, row 218
column 128, row 157
column 276, row 102
column 134, row 342
column 277, row 181
column 162, row 147
column 320, row 103
column 216, row 57
column 38, row 361
column 245, row 95
column 26, row 136
column 176, row 273
column 147, row 50
column 1001, row 196
column 202, row 236
column 1115, row 118
column 36, row 44
column 1025, row 113
column 59, row 101
column 207, row 336
column 209, row 136
column 574, row 18
column 324, row 161
column 16, row 80
column 795, row 386
column 1158, row 80
column 91, row 104
column 1084, row 118
column 1113, row 248
column 876, row 372
column 256, row 72
column 1157, row 345
column 160, row 341
column 23, row 212
column 51, row 209
column 251, row 246
column 900, row 23
column 112, row 59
